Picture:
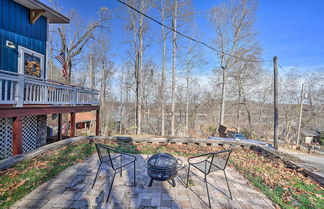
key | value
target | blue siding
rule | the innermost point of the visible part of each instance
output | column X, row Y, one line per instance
column 15, row 27
column 9, row 57
column 15, row 18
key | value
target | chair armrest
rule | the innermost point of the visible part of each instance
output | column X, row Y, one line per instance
column 122, row 153
column 115, row 150
column 135, row 158
column 198, row 156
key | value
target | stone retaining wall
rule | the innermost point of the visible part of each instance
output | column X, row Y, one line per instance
column 10, row 162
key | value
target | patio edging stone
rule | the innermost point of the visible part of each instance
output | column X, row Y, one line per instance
column 11, row 161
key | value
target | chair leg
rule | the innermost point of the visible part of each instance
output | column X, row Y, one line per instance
column 209, row 204
column 134, row 175
column 112, row 182
column 151, row 182
column 227, row 184
column 173, row 182
column 188, row 176
column 96, row 176
column 121, row 169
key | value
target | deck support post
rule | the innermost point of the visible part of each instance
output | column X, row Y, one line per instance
column 59, row 130
column 72, row 124
column 17, row 147
column 98, row 122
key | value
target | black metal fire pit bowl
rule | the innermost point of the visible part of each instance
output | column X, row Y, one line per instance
column 163, row 167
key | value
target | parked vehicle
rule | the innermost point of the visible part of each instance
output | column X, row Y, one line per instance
column 239, row 136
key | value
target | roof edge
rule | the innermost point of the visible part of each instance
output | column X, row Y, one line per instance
column 59, row 18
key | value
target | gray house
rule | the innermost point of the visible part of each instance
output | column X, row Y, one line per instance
column 309, row 136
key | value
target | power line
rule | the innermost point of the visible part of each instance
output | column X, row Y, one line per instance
column 282, row 80
column 188, row 37
column 281, row 66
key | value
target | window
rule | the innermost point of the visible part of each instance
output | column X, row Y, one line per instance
column 30, row 62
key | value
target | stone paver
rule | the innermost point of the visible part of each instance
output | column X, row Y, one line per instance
column 72, row 189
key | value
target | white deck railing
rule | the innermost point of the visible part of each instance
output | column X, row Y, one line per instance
column 20, row 89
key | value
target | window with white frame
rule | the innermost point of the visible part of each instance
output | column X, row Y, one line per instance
column 30, row 62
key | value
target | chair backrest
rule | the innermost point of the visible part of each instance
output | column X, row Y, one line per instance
column 104, row 153
column 220, row 159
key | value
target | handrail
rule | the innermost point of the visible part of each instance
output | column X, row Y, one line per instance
column 22, row 89
column 46, row 80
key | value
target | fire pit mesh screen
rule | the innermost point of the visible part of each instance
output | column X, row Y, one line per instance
column 162, row 160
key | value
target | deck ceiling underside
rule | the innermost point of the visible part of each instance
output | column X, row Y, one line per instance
column 7, row 112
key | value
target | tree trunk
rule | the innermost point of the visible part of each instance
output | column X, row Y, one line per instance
column 92, row 73
column 238, row 108
column 102, row 96
column 138, row 95
column 223, row 96
column 69, row 61
column 163, row 77
column 247, row 111
column 174, row 57
column 50, row 63
column 187, row 102
column 121, row 103
column 139, row 73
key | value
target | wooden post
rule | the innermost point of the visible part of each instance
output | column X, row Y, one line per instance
column 17, row 136
column 72, row 124
column 97, row 122
column 275, row 103
column 59, row 130
column 74, row 96
column 20, row 91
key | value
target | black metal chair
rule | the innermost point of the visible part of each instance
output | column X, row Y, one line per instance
column 116, row 160
column 209, row 163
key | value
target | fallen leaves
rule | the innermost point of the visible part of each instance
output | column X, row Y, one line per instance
column 275, row 174
column 17, row 181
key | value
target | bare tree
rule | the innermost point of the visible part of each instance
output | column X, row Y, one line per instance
column 80, row 36
column 164, row 8
column 233, row 22
column 138, row 27
column 174, row 62
column 192, row 60
column 181, row 10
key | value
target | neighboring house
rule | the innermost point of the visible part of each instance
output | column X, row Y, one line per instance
column 26, row 96
column 309, row 136
column 85, row 121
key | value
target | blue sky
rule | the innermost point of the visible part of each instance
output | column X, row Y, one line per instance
column 291, row 30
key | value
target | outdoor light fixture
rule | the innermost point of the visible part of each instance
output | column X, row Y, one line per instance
column 10, row 44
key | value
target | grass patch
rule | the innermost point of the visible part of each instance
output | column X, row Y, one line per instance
column 285, row 187
column 27, row 175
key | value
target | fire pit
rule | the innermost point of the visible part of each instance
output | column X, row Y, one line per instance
column 162, row 167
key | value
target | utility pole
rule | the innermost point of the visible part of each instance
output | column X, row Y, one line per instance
column 275, row 103
column 300, row 114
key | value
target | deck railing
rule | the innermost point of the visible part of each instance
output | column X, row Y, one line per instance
column 19, row 90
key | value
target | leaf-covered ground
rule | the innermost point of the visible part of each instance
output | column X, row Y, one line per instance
column 18, row 181
column 285, row 187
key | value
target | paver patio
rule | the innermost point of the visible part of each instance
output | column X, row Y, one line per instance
column 72, row 189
